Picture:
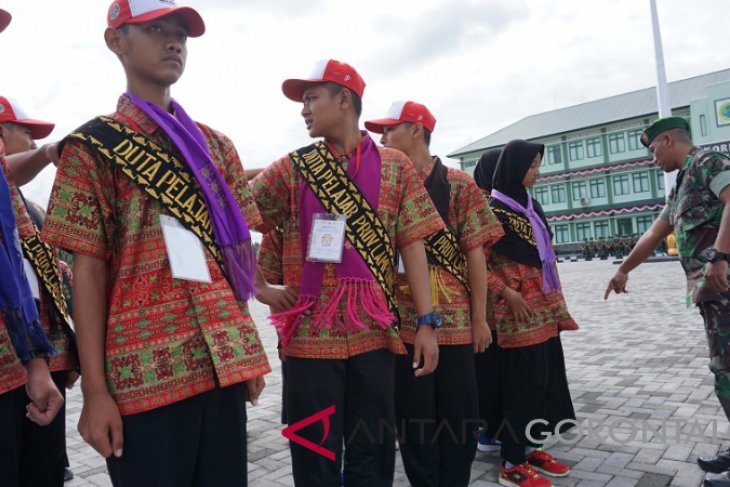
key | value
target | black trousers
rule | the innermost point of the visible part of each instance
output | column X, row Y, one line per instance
column 361, row 390
column 197, row 442
column 437, row 418
column 31, row 455
column 522, row 385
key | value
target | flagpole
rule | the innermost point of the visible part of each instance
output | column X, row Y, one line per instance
column 662, row 89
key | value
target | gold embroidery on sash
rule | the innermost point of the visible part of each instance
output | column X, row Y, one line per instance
column 157, row 172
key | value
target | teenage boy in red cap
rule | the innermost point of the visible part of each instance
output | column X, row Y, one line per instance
column 156, row 209
column 24, row 348
column 344, row 206
column 447, row 398
column 42, row 448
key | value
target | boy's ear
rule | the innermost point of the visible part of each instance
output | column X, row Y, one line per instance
column 114, row 40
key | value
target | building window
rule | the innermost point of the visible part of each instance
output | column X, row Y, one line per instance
column 660, row 180
column 624, row 226
column 621, row 184
column 598, row 188
column 557, row 193
column 703, row 125
column 643, row 223
column 640, row 182
column 553, row 154
column 601, row 229
column 579, row 190
column 616, row 143
column 541, row 195
column 562, row 234
column 634, row 137
column 593, row 147
column 583, row 232
column 575, row 149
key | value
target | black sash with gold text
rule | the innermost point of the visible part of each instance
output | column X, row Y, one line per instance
column 43, row 260
column 445, row 250
column 160, row 174
column 333, row 187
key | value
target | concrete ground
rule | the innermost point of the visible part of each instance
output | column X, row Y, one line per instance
column 638, row 376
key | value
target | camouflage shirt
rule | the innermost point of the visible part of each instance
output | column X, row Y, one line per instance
column 695, row 212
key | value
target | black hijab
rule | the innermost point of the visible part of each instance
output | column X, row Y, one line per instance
column 484, row 172
column 518, row 243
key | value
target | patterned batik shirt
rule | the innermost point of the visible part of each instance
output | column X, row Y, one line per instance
column 474, row 225
column 695, row 212
column 549, row 313
column 405, row 209
column 166, row 339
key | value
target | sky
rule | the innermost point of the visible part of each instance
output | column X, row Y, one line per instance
column 479, row 65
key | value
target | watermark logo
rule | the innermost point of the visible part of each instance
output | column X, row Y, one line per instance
column 324, row 416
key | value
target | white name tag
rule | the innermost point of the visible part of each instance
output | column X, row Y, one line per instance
column 401, row 267
column 184, row 251
column 327, row 238
column 32, row 279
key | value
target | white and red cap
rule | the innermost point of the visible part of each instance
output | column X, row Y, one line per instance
column 12, row 113
column 325, row 71
column 403, row 111
column 5, row 18
column 137, row 11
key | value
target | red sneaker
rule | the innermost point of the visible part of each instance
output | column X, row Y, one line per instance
column 545, row 463
column 522, row 475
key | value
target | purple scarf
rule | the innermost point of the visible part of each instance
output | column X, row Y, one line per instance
column 355, row 283
column 229, row 226
column 550, row 281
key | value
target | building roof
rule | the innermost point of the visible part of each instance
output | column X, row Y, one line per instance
column 599, row 112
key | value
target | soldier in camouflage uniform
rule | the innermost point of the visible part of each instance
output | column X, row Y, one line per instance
column 698, row 211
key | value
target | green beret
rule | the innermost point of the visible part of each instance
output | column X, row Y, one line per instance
column 662, row 125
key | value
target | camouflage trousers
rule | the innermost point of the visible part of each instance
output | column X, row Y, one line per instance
column 716, row 315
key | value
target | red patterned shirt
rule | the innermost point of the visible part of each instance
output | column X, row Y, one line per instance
column 474, row 225
column 549, row 312
column 166, row 339
column 405, row 209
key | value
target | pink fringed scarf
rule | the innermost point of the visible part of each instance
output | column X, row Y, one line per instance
column 356, row 286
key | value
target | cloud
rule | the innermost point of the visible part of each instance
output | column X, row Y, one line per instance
column 408, row 43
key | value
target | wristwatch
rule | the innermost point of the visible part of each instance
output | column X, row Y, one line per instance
column 713, row 255
column 432, row 319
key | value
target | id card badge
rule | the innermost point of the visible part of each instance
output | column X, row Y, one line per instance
column 35, row 288
column 184, row 251
column 327, row 238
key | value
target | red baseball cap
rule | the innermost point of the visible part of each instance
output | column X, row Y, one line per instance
column 403, row 111
column 137, row 11
column 11, row 112
column 4, row 19
column 325, row 71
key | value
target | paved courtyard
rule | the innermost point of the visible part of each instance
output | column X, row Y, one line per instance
column 638, row 376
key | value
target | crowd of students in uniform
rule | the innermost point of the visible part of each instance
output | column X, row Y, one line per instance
column 414, row 304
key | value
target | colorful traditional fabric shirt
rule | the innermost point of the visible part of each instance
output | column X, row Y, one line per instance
column 695, row 212
column 404, row 208
column 269, row 257
column 549, row 312
column 166, row 339
column 473, row 224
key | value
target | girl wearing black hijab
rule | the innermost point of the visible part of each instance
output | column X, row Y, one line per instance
column 484, row 171
column 527, row 368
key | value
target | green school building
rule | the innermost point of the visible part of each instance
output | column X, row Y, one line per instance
column 597, row 181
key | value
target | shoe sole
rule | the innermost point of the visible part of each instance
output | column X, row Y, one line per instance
column 545, row 472
column 509, row 483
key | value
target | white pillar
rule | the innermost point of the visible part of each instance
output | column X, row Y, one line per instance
column 662, row 90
